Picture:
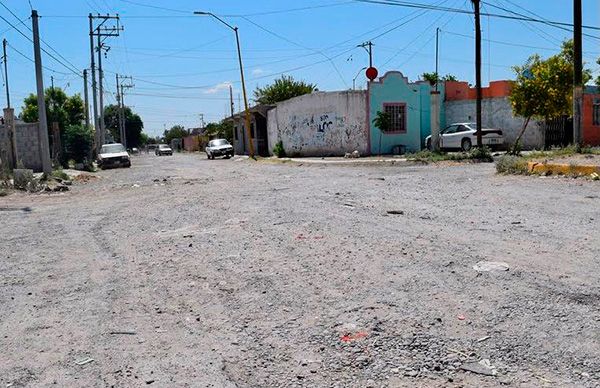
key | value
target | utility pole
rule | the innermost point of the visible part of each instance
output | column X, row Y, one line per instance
column 101, row 32
column 368, row 44
column 97, row 141
column 239, row 52
column 121, row 99
column 577, row 74
column 6, row 73
column 100, row 94
column 86, row 109
column 476, row 4
column 437, row 57
column 120, row 122
column 231, row 100
column 43, row 122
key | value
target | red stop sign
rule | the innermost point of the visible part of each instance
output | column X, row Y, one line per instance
column 372, row 73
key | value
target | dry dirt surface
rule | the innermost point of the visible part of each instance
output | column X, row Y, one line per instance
column 185, row 272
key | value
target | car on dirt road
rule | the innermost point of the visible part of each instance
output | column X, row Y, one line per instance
column 463, row 136
column 219, row 147
column 163, row 149
column 113, row 155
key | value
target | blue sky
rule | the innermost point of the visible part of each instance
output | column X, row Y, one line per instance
column 183, row 64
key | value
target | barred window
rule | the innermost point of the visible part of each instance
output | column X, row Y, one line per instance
column 397, row 112
column 596, row 113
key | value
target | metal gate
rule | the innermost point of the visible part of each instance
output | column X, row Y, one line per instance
column 558, row 132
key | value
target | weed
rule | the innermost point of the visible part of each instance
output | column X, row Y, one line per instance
column 278, row 150
column 510, row 164
column 60, row 174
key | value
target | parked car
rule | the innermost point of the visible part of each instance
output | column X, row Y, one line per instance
column 219, row 147
column 163, row 149
column 113, row 155
column 463, row 136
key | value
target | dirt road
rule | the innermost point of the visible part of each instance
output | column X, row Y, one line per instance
column 184, row 272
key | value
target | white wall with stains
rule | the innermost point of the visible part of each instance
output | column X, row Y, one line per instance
column 320, row 124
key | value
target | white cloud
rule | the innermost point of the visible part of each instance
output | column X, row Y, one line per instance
column 218, row 87
column 258, row 71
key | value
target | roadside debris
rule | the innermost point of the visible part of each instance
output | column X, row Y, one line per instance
column 352, row 155
column 487, row 337
column 353, row 337
column 483, row 367
column 488, row 266
column 84, row 361
column 396, row 212
column 124, row 332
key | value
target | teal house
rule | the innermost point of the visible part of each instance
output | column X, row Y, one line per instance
column 409, row 105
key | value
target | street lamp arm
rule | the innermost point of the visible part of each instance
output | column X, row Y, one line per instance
column 216, row 17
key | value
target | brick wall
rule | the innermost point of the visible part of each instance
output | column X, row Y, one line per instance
column 28, row 146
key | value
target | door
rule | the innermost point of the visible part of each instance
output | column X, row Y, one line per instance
column 448, row 137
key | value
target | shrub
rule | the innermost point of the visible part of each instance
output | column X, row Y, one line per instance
column 278, row 150
column 510, row 164
column 483, row 154
column 60, row 174
column 78, row 143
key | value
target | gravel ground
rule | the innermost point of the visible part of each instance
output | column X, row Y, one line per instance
column 184, row 272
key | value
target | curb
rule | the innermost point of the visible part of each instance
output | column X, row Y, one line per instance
column 562, row 169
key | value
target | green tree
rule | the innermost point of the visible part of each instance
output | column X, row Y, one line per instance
column 383, row 121
column 176, row 132
column 282, row 89
column 223, row 130
column 543, row 88
column 78, row 141
column 60, row 108
column 133, row 125
column 598, row 78
column 434, row 77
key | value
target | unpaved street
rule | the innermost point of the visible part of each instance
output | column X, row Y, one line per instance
column 185, row 272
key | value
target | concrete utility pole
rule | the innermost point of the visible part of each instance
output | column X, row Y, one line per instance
column 97, row 141
column 577, row 74
column 239, row 51
column 43, row 122
column 231, row 100
column 100, row 94
column 437, row 57
column 101, row 33
column 120, row 122
column 86, row 109
column 368, row 44
column 476, row 4
column 121, row 100
column 6, row 73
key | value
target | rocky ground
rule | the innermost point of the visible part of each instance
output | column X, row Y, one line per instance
column 184, row 272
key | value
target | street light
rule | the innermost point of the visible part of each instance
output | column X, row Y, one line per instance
column 237, row 39
column 354, row 79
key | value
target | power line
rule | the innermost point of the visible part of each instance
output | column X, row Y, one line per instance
column 466, row 12
column 43, row 41
column 32, row 61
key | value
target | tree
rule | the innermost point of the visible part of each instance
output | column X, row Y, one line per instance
column 282, row 89
column 223, row 130
column 598, row 78
column 78, row 142
column 60, row 108
column 434, row 78
column 133, row 125
column 544, row 87
column 383, row 121
column 176, row 132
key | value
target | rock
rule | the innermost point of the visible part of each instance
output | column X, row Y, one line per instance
column 397, row 212
column 482, row 367
column 488, row 266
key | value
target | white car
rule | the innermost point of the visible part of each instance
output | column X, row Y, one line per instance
column 219, row 147
column 463, row 136
column 113, row 155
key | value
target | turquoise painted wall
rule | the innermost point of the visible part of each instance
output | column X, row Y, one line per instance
column 393, row 87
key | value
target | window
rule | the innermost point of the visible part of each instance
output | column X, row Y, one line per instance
column 450, row 129
column 397, row 112
column 596, row 113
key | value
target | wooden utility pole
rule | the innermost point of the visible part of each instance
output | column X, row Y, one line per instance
column 577, row 74
column 39, row 75
column 476, row 4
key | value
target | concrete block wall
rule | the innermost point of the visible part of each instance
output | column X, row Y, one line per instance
column 5, row 144
column 28, row 146
column 496, row 113
column 320, row 124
